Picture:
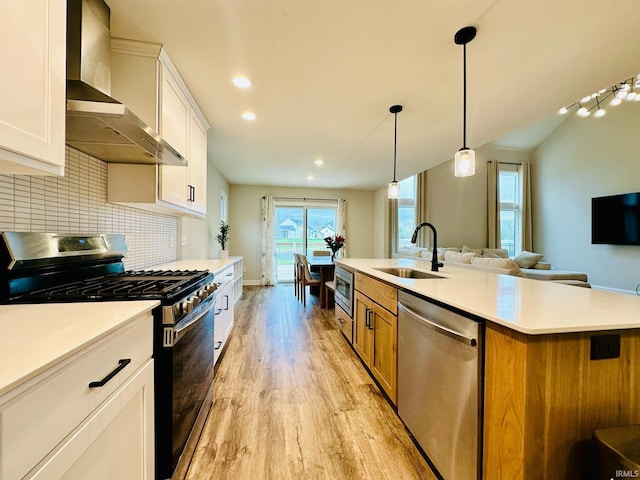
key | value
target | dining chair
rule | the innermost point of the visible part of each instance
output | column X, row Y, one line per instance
column 306, row 279
column 296, row 273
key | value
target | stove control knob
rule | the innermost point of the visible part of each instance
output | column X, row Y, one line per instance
column 195, row 300
column 203, row 294
column 177, row 309
column 187, row 306
column 211, row 287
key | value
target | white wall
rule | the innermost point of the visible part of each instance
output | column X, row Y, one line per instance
column 381, row 223
column 458, row 206
column 245, row 222
column 585, row 158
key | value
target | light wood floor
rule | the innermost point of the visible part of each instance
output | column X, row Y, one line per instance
column 292, row 401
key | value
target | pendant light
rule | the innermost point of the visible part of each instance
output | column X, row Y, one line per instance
column 465, row 158
column 394, row 189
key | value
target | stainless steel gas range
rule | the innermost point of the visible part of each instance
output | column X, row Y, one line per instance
column 44, row 267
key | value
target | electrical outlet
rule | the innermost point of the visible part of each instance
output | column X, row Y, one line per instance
column 605, row 346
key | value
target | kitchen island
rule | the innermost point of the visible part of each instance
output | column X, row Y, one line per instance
column 545, row 386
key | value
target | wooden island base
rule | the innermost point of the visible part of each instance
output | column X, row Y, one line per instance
column 544, row 397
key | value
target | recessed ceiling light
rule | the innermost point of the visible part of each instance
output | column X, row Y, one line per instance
column 309, row 177
column 249, row 116
column 319, row 162
column 242, row 82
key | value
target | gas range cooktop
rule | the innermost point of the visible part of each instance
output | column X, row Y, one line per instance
column 48, row 267
column 128, row 285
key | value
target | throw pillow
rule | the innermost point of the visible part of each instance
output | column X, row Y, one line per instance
column 504, row 263
column 495, row 253
column 527, row 259
column 477, row 251
column 427, row 253
column 456, row 257
column 409, row 251
column 441, row 251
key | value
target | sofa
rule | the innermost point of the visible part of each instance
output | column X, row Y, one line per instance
column 526, row 264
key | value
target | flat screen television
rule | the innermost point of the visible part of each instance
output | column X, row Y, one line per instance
column 615, row 219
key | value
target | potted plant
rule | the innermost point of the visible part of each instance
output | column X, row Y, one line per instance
column 223, row 238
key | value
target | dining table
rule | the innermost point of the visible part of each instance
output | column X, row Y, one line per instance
column 324, row 265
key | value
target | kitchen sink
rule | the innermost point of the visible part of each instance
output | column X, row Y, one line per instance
column 407, row 273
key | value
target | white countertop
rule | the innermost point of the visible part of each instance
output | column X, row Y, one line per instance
column 213, row 265
column 36, row 337
column 528, row 306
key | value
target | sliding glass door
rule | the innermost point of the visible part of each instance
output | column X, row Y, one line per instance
column 300, row 227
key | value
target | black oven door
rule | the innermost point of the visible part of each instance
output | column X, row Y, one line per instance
column 184, row 376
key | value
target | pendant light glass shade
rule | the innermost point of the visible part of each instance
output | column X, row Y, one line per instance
column 394, row 189
column 465, row 162
column 465, row 158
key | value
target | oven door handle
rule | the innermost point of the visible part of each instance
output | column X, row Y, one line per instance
column 180, row 332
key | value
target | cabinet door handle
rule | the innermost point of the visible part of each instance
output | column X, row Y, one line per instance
column 341, row 320
column 217, row 347
column 121, row 364
column 367, row 318
column 193, row 196
column 226, row 298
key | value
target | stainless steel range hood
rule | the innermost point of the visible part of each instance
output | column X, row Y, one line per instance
column 96, row 123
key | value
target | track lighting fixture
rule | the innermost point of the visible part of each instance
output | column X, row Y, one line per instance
column 626, row 90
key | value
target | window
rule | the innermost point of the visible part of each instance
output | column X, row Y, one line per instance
column 406, row 211
column 301, row 226
column 510, row 188
column 223, row 205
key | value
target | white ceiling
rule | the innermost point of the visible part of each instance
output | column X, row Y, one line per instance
column 326, row 72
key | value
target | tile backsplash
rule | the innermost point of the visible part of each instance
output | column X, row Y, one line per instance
column 77, row 203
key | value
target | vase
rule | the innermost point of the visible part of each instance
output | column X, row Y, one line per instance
column 334, row 255
column 224, row 254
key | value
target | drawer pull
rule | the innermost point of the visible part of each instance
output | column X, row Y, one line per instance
column 218, row 346
column 121, row 364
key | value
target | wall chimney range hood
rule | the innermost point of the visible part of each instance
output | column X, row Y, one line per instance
column 96, row 123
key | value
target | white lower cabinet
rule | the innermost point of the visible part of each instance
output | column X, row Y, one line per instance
column 58, row 426
column 224, row 310
column 116, row 441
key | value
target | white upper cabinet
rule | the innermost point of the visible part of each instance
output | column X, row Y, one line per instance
column 145, row 79
column 32, row 87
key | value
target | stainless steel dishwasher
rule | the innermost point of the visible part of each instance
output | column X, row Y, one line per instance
column 440, row 385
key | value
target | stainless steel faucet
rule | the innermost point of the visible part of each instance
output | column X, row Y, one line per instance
column 434, row 257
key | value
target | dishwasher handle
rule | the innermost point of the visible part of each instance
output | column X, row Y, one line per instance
column 439, row 328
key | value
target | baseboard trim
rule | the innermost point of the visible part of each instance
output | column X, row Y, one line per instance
column 615, row 290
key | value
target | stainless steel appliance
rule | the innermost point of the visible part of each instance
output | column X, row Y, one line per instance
column 344, row 289
column 40, row 268
column 96, row 123
column 440, row 384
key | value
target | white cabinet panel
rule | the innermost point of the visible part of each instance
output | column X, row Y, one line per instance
column 32, row 87
column 169, row 189
column 197, row 169
column 116, row 441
